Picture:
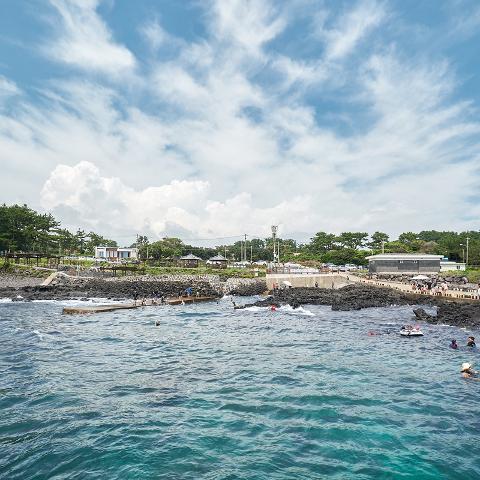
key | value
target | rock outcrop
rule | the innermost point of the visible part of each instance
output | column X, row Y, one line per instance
column 453, row 313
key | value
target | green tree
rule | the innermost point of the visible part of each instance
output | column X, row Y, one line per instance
column 321, row 243
column 352, row 240
column 377, row 240
column 21, row 228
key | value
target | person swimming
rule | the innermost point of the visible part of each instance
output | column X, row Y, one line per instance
column 467, row 370
column 273, row 308
column 454, row 344
column 471, row 342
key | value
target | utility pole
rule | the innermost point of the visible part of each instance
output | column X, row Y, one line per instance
column 466, row 260
column 383, row 246
column 274, row 237
column 245, row 250
column 251, row 253
column 225, row 247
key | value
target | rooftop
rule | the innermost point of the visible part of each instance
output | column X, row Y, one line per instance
column 217, row 258
column 190, row 256
column 404, row 256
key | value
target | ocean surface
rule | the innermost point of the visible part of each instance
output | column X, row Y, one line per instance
column 217, row 393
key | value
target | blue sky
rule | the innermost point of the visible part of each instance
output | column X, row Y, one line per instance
column 212, row 118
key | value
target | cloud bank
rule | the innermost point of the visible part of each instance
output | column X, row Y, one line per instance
column 235, row 130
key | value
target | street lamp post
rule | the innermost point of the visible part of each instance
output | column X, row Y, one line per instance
column 466, row 260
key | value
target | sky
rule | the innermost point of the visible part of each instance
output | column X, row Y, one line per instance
column 208, row 119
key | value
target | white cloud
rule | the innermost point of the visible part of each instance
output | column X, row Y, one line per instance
column 214, row 151
column 8, row 88
column 350, row 28
column 248, row 24
column 109, row 204
column 84, row 40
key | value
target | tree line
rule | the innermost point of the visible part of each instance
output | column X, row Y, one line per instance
column 23, row 229
column 347, row 247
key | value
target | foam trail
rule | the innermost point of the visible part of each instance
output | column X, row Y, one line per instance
column 296, row 311
column 38, row 334
column 284, row 309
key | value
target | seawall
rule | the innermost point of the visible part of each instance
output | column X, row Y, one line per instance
column 323, row 280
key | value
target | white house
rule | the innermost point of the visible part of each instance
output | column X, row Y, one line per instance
column 447, row 266
column 115, row 254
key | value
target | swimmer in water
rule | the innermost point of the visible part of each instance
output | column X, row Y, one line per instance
column 454, row 344
column 273, row 308
column 471, row 342
column 468, row 372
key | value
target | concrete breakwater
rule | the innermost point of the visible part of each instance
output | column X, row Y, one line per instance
column 64, row 287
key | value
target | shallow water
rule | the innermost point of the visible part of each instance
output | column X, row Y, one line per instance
column 216, row 393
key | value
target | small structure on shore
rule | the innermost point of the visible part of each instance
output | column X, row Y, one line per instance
column 114, row 254
column 189, row 261
column 398, row 263
column 218, row 261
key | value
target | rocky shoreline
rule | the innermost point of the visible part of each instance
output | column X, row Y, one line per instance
column 452, row 313
column 357, row 297
column 351, row 297
column 71, row 288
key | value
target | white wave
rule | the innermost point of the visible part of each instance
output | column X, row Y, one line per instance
column 39, row 335
column 5, row 300
column 284, row 309
column 296, row 311
column 256, row 309
column 75, row 303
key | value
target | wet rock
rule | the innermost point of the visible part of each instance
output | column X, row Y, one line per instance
column 422, row 315
column 350, row 297
column 459, row 314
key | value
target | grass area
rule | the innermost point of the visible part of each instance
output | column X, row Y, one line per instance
column 473, row 274
column 24, row 270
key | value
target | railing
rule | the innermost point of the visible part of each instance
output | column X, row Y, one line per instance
column 451, row 293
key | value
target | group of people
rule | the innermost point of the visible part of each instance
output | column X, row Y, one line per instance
column 470, row 343
column 430, row 287
column 156, row 298
column 467, row 369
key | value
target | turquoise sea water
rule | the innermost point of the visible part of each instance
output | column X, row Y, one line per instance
column 214, row 393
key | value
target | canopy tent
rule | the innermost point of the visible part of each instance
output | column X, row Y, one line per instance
column 420, row 277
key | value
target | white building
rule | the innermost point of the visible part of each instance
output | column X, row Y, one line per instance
column 447, row 266
column 115, row 254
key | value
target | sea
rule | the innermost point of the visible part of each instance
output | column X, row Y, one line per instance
column 208, row 392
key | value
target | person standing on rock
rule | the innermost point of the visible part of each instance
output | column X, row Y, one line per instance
column 135, row 296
